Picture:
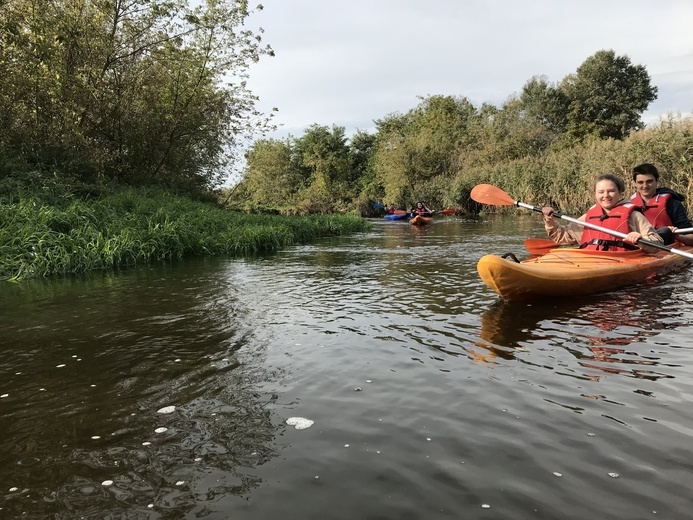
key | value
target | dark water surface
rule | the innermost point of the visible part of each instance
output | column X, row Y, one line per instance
column 431, row 399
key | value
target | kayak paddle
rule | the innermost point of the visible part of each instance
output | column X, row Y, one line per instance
column 488, row 194
column 540, row 246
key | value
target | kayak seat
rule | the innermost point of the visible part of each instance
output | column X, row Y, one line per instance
column 511, row 256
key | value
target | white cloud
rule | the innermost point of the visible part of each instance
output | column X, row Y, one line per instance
column 348, row 63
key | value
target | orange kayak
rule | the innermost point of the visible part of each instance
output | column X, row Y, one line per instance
column 418, row 220
column 571, row 272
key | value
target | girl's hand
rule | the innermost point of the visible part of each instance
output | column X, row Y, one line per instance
column 633, row 237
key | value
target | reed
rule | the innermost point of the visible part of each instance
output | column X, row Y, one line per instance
column 563, row 178
column 38, row 238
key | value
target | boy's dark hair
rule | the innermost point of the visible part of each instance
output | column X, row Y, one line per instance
column 645, row 169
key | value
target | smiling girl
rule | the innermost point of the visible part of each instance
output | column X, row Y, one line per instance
column 611, row 212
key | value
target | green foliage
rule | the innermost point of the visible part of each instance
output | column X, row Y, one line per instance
column 562, row 178
column 149, row 92
column 319, row 172
column 129, row 228
column 551, row 138
column 272, row 177
column 607, row 96
column 414, row 148
column 545, row 104
column 325, row 154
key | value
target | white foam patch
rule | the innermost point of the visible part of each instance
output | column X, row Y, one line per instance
column 107, row 483
column 166, row 409
column 161, row 430
column 300, row 423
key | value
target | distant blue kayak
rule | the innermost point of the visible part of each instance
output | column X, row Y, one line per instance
column 403, row 216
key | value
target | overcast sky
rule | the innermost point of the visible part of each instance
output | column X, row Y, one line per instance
column 348, row 62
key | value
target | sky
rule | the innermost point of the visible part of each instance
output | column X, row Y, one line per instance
column 349, row 62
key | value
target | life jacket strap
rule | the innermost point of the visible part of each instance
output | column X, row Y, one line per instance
column 606, row 244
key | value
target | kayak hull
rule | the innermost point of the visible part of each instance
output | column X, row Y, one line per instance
column 573, row 272
column 418, row 220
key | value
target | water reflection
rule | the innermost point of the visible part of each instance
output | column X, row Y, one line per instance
column 596, row 331
column 82, row 397
column 369, row 336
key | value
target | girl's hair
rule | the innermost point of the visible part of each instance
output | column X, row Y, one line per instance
column 610, row 177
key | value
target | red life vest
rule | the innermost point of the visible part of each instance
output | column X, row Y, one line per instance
column 655, row 209
column 616, row 220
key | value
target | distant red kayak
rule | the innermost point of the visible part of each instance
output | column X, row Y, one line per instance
column 447, row 211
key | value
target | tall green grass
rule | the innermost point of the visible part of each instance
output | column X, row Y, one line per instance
column 42, row 239
column 563, row 178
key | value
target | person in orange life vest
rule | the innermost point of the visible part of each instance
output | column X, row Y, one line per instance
column 611, row 212
column 663, row 207
column 391, row 209
column 421, row 209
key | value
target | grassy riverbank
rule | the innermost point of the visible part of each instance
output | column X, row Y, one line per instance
column 71, row 235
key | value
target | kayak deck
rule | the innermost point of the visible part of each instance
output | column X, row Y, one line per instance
column 571, row 272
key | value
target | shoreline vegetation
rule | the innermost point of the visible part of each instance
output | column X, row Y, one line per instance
column 559, row 176
column 563, row 178
column 42, row 238
column 108, row 109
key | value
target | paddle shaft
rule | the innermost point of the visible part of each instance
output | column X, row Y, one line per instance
column 610, row 231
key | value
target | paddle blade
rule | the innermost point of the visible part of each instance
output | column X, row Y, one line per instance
column 447, row 211
column 488, row 194
column 539, row 246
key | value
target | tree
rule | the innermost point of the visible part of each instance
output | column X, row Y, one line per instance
column 271, row 176
column 141, row 91
column 545, row 104
column 392, row 158
column 607, row 96
column 362, row 147
column 324, row 152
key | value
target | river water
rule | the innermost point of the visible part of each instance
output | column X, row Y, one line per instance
column 163, row 392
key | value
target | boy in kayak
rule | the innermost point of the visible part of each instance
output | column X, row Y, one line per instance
column 663, row 207
column 610, row 212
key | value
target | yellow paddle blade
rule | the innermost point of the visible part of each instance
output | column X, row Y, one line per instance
column 488, row 194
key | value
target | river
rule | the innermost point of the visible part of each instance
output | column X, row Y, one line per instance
column 173, row 391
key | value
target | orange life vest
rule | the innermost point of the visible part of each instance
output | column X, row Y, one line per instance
column 654, row 209
column 616, row 220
